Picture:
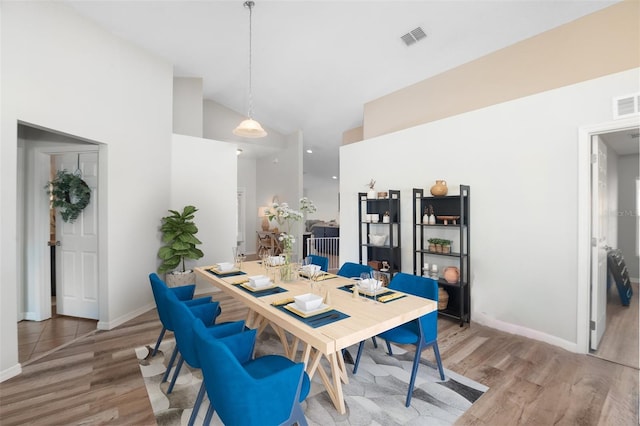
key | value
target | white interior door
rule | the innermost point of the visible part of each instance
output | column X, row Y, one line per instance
column 77, row 253
column 599, row 226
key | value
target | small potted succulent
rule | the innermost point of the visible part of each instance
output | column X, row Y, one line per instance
column 178, row 234
column 371, row 193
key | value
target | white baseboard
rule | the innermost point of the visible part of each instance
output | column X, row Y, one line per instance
column 484, row 319
column 32, row 316
column 108, row 325
column 10, row 372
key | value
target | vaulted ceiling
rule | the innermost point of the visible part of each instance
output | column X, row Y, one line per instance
column 315, row 63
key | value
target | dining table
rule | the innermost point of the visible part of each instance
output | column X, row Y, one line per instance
column 345, row 318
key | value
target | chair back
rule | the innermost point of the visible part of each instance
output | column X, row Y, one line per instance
column 159, row 288
column 351, row 270
column 321, row 261
column 421, row 287
column 182, row 319
column 241, row 398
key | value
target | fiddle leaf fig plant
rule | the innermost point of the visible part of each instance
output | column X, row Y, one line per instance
column 178, row 234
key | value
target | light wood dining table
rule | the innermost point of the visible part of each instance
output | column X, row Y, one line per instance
column 366, row 319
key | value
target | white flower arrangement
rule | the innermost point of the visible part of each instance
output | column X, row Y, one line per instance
column 285, row 216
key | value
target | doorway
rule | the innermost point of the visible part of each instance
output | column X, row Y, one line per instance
column 619, row 342
column 42, row 327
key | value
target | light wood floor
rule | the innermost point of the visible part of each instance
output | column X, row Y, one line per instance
column 96, row 380
column 620, row 342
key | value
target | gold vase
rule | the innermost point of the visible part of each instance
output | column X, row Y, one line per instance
column 439, row 189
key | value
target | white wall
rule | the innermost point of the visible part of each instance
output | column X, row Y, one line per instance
column 247, row 180
column 324, row 194
column 187, row 106
column 520, row 159
column 62, row 72
column 281, row 175
column 203, row 174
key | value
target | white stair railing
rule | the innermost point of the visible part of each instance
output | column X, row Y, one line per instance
column 328, row 247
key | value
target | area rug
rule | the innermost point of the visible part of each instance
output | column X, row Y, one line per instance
column 374, row 396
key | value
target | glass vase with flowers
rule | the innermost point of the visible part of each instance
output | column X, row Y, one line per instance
column 287, row 220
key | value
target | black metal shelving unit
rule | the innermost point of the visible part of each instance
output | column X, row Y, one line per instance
column 459, row 306
column 390, row 251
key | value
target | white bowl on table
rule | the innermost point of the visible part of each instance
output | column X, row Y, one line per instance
column 308, row 302
column 310, row 269
column 224, row 266
column 259, row 281
column 370, row 284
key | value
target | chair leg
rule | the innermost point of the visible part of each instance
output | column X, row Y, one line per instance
column 355, row 365
column 175, row 374
column 297, row 416
column 414, row 373
column 436, row 351
column 375, row 342
column 160, row 337
column 209, row 416
column 389, row 351
column 171, row 361
column 196, row 406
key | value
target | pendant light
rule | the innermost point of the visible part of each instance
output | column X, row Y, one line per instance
column 250, row 128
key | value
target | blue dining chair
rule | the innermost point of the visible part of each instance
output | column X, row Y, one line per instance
column 321, row 261
column 184, row 294
column 183, row 318
column 204, row 309
column 244, row 391
column 352, row 270
column 421, row 332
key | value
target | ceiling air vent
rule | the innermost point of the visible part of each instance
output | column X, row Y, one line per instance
column 626, row 106
column 413, row 36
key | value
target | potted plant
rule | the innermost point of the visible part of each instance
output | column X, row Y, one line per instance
column 446, row 246
column 178, row 234
column 432, row 243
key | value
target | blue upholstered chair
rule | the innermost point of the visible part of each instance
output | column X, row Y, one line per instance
column 183, row 293
column 321, row 261
column 244, row 391
column 183, row 318
column 202, row 305
column 422, row 332
column 351, row 270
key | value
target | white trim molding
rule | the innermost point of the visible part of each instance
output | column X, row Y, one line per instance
column 10, row 372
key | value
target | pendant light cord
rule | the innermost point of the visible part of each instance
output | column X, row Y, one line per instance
column 250, row 5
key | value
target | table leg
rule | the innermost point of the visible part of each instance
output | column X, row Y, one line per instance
column 333, row 384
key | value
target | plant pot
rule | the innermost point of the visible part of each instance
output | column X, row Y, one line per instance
column 438, row 248
column 372, row 194
column 446, row 249
column 177, row 278
column 432, row 248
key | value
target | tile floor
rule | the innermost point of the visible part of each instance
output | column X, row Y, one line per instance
column 36, row 338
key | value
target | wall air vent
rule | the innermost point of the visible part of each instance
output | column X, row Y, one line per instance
column 413, row 36
column 626, row 106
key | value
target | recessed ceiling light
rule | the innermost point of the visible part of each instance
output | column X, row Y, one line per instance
column 334, row 177
column 238, row 151
column 309, row 151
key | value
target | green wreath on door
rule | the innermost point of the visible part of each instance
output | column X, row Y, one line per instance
column 70, row 194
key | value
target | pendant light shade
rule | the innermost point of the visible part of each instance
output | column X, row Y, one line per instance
column 250, row 128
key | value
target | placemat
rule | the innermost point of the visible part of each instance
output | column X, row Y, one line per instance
column 260, row 293
column 323, row 277
column 388, row 293
column 225, row 274
column 316, row 321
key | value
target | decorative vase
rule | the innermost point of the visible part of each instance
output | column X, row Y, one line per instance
column 451, row 274
column 372, row 194
column 439, row 189
column 286, row 269
column 432, row 220
column 386, row 218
